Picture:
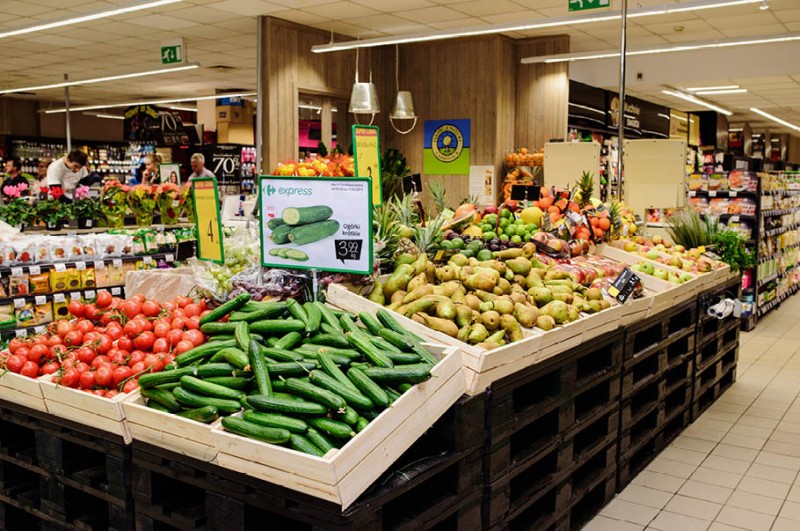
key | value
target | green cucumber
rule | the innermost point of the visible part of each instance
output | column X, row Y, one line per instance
column 349, row 417
column 328, row 317
column 152, row 404
column 404, row 387
column 280, row 235
column 314, row 318
column 169, row 386
column 315, row 393
column 372, row 324
column 220, row 337
column 214, row 328
column 305, row 215
column 281, row 355
column 291, row 368
column 392, row 394
column 273, row 420
column 147, row 381
column 334, row 428
column 320, row 441
column 271, row 327
column 368, row 387
column 205, row 414
column 255, row 431
column 402, row 358
column 295, row 254
column 202, row 352
column 242, row 335
column 302, row 444
column 272, row 341
column 259, row 366
column 353, row 398
column 329, row 366
column 412, row 374
column 313, row 232
column 289, row 340
column 407, row 342
column 297, row 311
column 194, row 400
column 233, row 356
column 361, row 424
column 274, row 222
column 314, row 356
column 218, row 369
column 206, row 388
column 270, row 310
column 325, row 328
column 224, row 309
column 163, row 397
column 349, row 325
column 331, row 340
column 362, row 343
column 232, row 382
column 343, row 352
column 384, row 345
column 285, row 406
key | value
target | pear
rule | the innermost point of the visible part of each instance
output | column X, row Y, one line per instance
column 430, row 272
column 422, row 291
column 457, row 297
column 447, row 289
column 398, row 297
column 497, row 337
column 504, row 285
column 480, row 281
column 509, row 254
column 472, row 301
column 376, row 295
column 566, row 297
column 545, row 322
column 487, row 345
column 533, row 280
column 485, row 296
column 509, row 323
column 596, row 306
column 501, row 306
column 446, row 273
column 558, row 310
column 574, row 315
column 542, row 296
column 594, row 294
column 463, row 333
column 459, row 260
column 491, row 320
column 520, row 266
column 440, row 325
column 518, row 280
column 519, row 297
column 526, row 315
column 420, row 264
column 528, row 250
column 445, row 310
column 463, row 315
column 478, row 334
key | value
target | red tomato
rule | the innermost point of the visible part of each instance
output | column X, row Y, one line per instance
column 104, row 299
column 89, row 338
column 40, row 340
column 73, row 338
column 203, row 305
column 38, row 352
column 179, row 323
column 76, row 308
column 168, row 359
column 196, row 337
column 144, row 341
column 93, row 312
column 131, row 308
column 14, row 344
column 160, row 329
column 30, row 369
column 64, row 327
column 125, row 343
column 104, row 377
column 114, row 332
column 160, row 345
column 136, row 368
column 193, row 323
column 103, row 344
column 87, row 380
column 112, row 393
column 169, row 306
column 133, row 328
column 174, row 336
column 178, row 312
column 82, row 367
column 97, row 392
column 118, row 357
column 183, row 346
column 130, row 386
column 50, row 368
column 54, row 340
column 122, row 373
column 182, row 301
column 15, row 363
column 147, row 326
column 99, row 361
column 84, row 325
column 58, row 351
column 192, row 310
column 70, row 378
column 23, row 352
column 138, row 297
column 205, row 312
column 151, row 308
column 135, row 357
column 85, row 354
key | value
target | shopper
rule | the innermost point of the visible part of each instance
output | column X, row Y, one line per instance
column 150, row 175
column 67, row 171
column 41, row 174
column 198, row 162
column 14, row 177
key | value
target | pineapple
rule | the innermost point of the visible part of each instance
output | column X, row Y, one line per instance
column 438, row 194
column 428, row 237
column 586, row 188
column 387, row 232
column 614, row 216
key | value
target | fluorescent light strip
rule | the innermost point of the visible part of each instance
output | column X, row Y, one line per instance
column 110, row 116
column 701, row 45
column 715, row 92
column 103, row 79
column 775, row 119
column 697, row 101
column 151, row 102
column 179, row 108
column 68, row 21
column 527, row 25
column 721, row 87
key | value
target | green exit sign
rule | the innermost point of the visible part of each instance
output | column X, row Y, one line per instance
column 171, row 54
column 583, row 5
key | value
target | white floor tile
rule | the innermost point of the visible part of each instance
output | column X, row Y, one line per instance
column 701, row 509
column 668, row 521
column 705, row 491
column 601, row 523
column 765, row 487
column 645, row 496
column 754, row 502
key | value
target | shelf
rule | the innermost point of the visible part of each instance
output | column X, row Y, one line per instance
column 767, row 280
column 767, row 306
column 87, row 293
column 167, row 257
column 779, row 231
column 722, row 193
column 778, row 254
column 779, row 193
column 778, row 212
column 99, row 230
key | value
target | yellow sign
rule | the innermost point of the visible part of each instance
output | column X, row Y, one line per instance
column 367, row 154
column 209, row 225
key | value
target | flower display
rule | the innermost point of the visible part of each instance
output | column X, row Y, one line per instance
column 114, row 203
column 169, row 198
column 142, row 200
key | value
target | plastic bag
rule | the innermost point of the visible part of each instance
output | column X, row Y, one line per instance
column 276, row 284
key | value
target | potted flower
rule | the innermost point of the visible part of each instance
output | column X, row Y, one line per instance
column 84, row 209
column 114, row 203
column 168, row 197
column 188, row 201
column 142, row 200
column 53, row 212
column 17, row 211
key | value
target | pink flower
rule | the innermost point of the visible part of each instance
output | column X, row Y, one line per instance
column 82, row 192
column 22, row 187
column 13, row 192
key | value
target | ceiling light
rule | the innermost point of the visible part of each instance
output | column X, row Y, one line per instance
column 95, row 15
column 180, row 108
column 726, row 91
column 681, row 118
column 109, row 116
column 720, row 87
column 489, row 29
column 775, row 119
column 151, row 102
column 764, row 5
column 697, row 101
column 735, row 130
column 700, row 45
column 102, row 79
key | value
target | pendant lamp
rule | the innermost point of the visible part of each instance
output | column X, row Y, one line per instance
column 364, row 97
column 404, row 103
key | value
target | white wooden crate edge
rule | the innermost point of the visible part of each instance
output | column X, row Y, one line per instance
column 22, row 390
column 343, row 475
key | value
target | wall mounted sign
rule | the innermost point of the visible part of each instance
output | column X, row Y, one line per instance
column 447, row 147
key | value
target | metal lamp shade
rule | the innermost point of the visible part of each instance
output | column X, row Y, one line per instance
column 404, row 106
column 364, row 99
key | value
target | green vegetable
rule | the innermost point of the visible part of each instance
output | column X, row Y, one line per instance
column 255, row 431
column 320, row 441
column 162, row 397
column 289, row 340
column 202, row 352
column 302, row 444
column 370, row 389
column 374, row 355
column 295, row 254
column 314, row 317
column 281, row 355
column 305, row 234
column 280, row 235
column 232, row 382
column 205, row 414
column 305, row 215
column 406, row 374
column 337, row 429
column 314, row 393
column 150, row 380
column 224, row 309
column 286, row 406
column 194, row 400
column 297, row 311
column 274, row 223
column 328, row 317
column 274, row 420
column 276, row 326
column 260, row 371
column 206, row 388
column 351, row 397
column 268, row 311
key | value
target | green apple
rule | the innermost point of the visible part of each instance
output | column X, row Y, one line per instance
column 652, row 254
column 646, row 268
column 661, row 273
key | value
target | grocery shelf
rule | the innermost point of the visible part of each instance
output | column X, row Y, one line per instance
column 772, row 304
column 777, row 254
column 779, row 230
column 722, row 193
column 168, row 257
column 72, row 231
column 777, row 212
column 87, row 293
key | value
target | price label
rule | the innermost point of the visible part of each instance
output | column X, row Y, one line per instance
column 692, row 194
column 60, row 267
column 209, row 226
column 40, row 299
column 34, row 270
column 19, row 303
column 16, row 272
column 623, row 287
column 59, row 297
column 99, row 264
column 348, row 250
column 20, row 332
column 712, row 193
column 169, row 258
column 75, row 296
column 89, row 223
column 734, row 219
column 115, row 291
column 147, row 259
column 733, row 193
column 117, row 262
column 90, row 294
column 367, row 158
column 80, row 266
column 39, row 330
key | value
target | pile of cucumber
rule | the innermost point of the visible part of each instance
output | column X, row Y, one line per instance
column 303, row 375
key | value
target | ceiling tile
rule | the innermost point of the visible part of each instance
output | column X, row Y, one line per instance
column 752, row 31
column 163, row 22
column 480, row 8
column 247, row 8
column 343, row 10
column 430, row 15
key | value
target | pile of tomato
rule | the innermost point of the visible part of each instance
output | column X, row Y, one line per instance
column 109, row 343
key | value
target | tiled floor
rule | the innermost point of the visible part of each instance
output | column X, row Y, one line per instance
column 737, row 466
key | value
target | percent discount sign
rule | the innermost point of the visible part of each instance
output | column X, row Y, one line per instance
column 209, row 224
column 319, row 223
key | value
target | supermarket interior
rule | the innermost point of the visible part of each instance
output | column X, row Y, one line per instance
column 256, row 270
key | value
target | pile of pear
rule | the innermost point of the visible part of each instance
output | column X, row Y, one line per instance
column 487, row 303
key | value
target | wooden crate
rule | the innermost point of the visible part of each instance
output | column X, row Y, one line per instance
column 105, row 414
column 22, row 390
column 178, row 434
column 342, row 475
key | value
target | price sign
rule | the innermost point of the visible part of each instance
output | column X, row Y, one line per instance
column 226, row 163
column 20, row 332
column 75, row 296
column 169, row 258
column 712, row 193
column 367, row 157
column 90, row 294
column 320, row 223
column 19, row 303
column 60, row 267
column 99, row 264
column 622, row 288
column 34, row 270
column 209, row 225
column 58, row 297
column 40, row 299
column 16, row 271
column 115, row 291
column 80, row 266
column 39, row 330
column 117, row 262
column 147, row 260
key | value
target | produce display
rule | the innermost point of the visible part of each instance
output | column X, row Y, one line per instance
column 338, row 165
column 303, row 375
column 661, row 250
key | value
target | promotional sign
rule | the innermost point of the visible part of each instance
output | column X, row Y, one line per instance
column 170, row 173
column 226, row 163
column 209, row 226
column 583, row 5
column 481, row 184
column 322, row 223
column 624, row 285
column 446, row 147
column 147, row 123
column 367, row 156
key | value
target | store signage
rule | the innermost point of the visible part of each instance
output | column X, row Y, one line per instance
column 481, row 184
column 147, row 123
column 678, row 125
column 321, row 223
column 622, row 288
column 226, row 163
column 583, row 5
column 173, row 52
column 209, row 226
column 367, row 155
column 632, row 114
column 447, row 147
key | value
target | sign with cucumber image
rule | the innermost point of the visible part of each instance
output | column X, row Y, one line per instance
column 321, row 223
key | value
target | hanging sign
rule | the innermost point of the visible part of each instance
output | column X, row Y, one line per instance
column 367, row 155
column 209, row 226
column 226, row 163
column 583, row 5
column 320, row 223
column 173, row 52
column 446, row 147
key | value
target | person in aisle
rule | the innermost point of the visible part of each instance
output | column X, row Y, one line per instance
column 14, row 176
column 67, row 171
column 150, row 175
column 198, row 163
column 41, row 174
column 93, row 178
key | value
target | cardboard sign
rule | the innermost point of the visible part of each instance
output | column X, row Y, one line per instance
column 367, row 158
column 209, row 226
column 321, row 223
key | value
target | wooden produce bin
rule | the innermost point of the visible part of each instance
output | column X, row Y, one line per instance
column 22, row 390
column 84, row 408
column 342, row 475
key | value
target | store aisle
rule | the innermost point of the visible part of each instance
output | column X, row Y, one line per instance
column 737, row 466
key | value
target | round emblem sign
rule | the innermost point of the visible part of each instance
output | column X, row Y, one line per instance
column 447, row 143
